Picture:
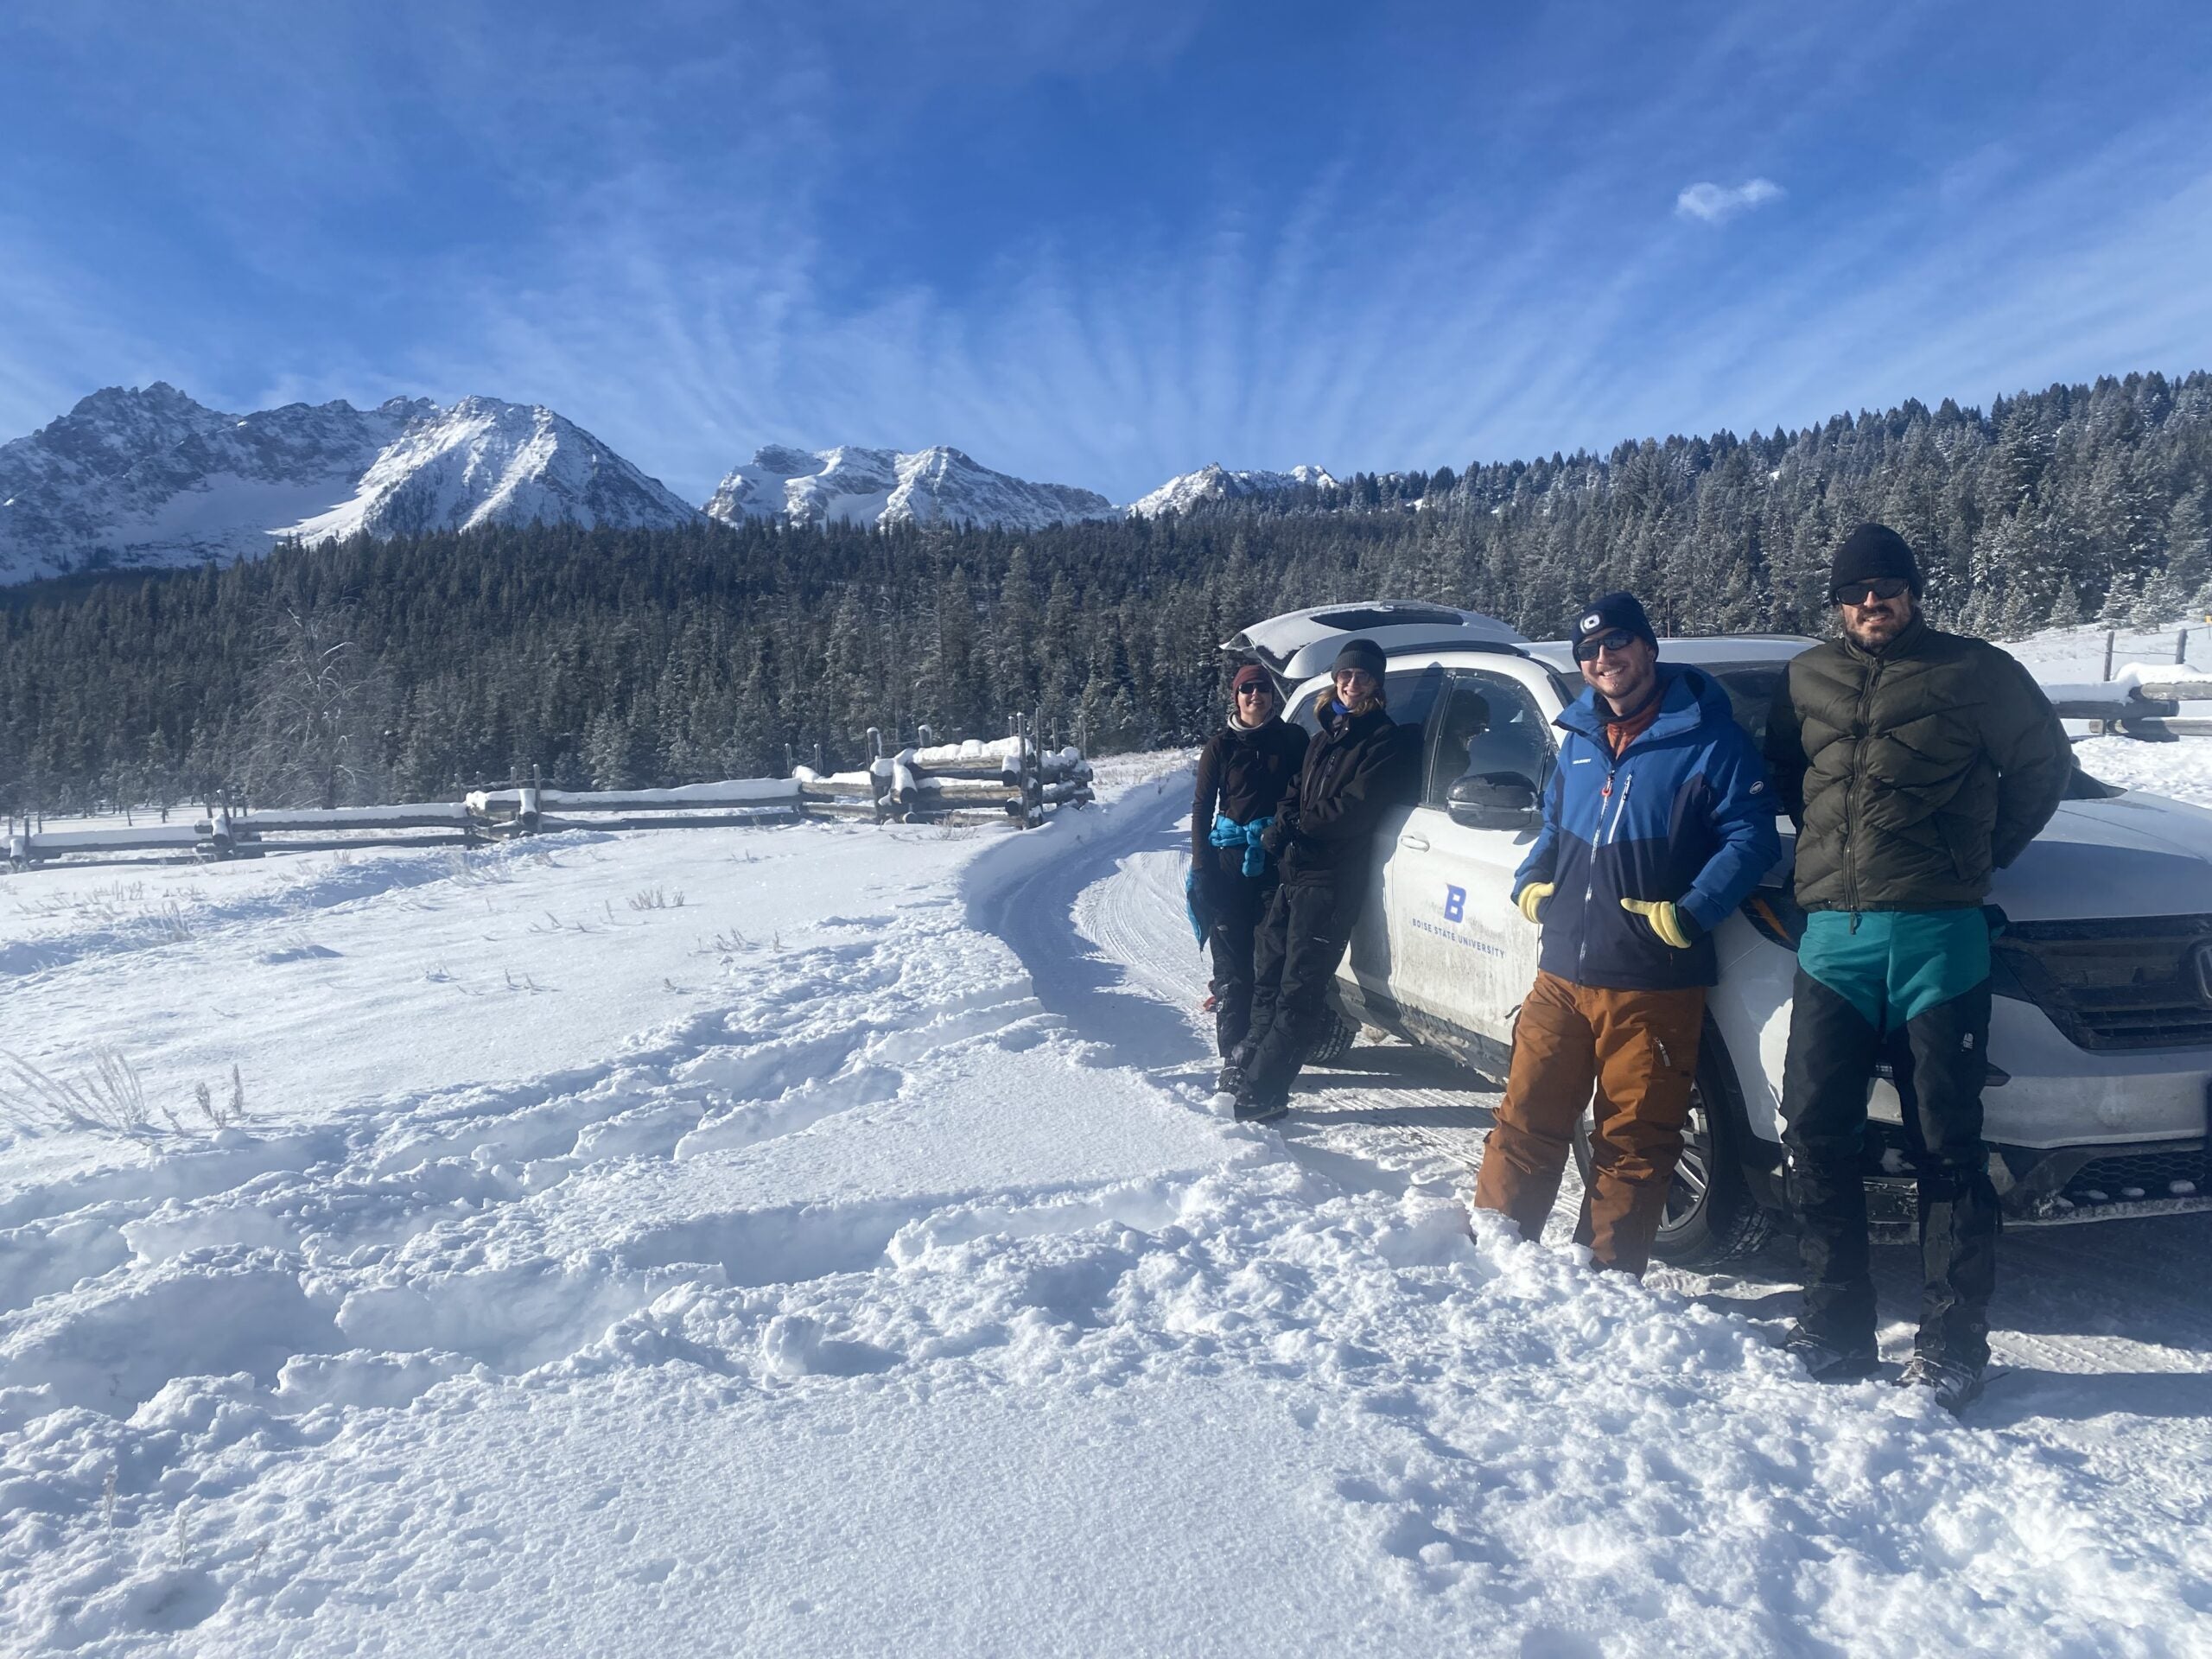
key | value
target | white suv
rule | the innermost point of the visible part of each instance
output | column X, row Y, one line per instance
column 2101, row 1035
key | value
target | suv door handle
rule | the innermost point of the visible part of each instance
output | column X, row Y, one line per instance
column 1418, row 844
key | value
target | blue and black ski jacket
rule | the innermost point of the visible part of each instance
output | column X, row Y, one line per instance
column 1684, row 814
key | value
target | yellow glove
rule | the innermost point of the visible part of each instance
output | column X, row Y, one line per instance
column 1531, row 898
column 1667, row 920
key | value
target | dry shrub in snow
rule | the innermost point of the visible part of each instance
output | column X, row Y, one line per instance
column 219, row 1114
column 109, row 1096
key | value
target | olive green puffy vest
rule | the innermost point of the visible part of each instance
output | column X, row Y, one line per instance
column 1912, row 771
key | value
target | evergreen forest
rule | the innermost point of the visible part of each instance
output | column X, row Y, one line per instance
column 413, row 668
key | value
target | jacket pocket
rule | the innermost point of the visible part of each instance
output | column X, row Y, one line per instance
column 1969, row 851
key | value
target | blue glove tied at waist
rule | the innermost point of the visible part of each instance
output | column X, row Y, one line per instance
column 1228, row 832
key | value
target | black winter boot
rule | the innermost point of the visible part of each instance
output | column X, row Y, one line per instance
column 1254, row 1107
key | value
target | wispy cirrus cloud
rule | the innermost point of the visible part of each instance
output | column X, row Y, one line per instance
column 1716, row 204
column 1098, row 258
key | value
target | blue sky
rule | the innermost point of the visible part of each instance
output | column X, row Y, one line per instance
column 1102, row 244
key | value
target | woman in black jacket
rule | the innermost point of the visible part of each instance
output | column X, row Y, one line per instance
column 1242, row 772
column 1361, row 766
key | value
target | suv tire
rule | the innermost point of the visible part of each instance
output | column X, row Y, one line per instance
column 1711, row 1214
column 1338, row 1032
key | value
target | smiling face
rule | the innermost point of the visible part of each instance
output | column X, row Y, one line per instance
column 1622, row 668
column 1354, row 688
column 1872, row 616
column 1255, row 702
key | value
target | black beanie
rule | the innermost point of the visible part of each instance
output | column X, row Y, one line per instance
column 1622, row 611
column 1869, row 553
column 1364, row 654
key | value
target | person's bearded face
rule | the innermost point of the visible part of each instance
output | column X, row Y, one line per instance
column 1871, row 620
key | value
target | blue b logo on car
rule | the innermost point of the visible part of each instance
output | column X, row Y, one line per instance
column 1455, row 904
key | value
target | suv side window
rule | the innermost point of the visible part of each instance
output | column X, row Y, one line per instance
column 1490, row 724
column 1413, row 693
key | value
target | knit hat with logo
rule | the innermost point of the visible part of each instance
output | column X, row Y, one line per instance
column 1622, row 611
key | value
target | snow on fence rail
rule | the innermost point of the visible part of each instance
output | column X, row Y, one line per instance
column 2141, row 701
column 1005, row 780
column 1008, row 782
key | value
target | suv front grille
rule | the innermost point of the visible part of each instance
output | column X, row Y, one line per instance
column 2141, row 982
column 2140, row 1175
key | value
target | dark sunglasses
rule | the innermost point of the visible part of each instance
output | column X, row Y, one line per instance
column 1255, row 690
column 1853, row 592
column 1619, row 639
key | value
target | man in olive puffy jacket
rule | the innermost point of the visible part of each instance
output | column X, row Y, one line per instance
column 1914, row 763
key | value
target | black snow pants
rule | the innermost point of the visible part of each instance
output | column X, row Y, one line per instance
column 1938, row 1062
column 1308, row 925
column 1235, row 907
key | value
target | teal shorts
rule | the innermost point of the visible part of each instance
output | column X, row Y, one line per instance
column 1892, row 965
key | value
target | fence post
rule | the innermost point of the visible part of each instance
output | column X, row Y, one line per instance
column 2181, row 648
column 1032, row 773
column 2106, row 675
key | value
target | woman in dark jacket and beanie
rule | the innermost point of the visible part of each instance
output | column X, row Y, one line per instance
column 1361, row 766
column 1242, row 772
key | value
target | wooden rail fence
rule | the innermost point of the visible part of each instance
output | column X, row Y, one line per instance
column 1008, row 782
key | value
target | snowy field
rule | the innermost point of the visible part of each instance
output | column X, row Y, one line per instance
column 813, row 1239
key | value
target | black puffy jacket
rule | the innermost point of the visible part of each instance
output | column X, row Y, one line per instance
column 1242, row 772
column 1913, row 770
column 1356, row 771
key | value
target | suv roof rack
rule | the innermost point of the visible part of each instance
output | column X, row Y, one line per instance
column 1299, row 645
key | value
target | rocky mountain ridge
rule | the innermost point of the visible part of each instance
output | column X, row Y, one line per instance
column 883, row 487
column 1214, row 485
column 135, row 478
column 138, row 477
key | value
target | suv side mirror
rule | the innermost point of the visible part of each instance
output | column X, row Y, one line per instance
column 1493, row 800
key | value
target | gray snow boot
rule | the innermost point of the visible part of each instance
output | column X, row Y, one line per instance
column 1825, row 1361
column 1956, row 1387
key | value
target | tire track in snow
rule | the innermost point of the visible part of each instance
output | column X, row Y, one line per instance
column 1104, row 934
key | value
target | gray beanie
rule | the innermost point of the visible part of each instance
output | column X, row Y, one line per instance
column 1364, row 654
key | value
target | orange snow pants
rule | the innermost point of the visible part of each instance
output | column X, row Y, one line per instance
column 1637, row 1050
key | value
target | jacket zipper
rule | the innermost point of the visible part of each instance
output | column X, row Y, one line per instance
column 1604, row 839
column 1860, row 735
column 1590, row 871
column 1628, row 782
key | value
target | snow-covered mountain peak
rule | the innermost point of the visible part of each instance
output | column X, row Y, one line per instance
column 1214, row 484
column 859, row 486
column 150, row 477
column 484, row 461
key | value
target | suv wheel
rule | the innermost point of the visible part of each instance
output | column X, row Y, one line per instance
column 1710, row 1215
column 1338, row 1032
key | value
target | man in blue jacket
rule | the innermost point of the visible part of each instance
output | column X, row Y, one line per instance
column 1658, row 823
